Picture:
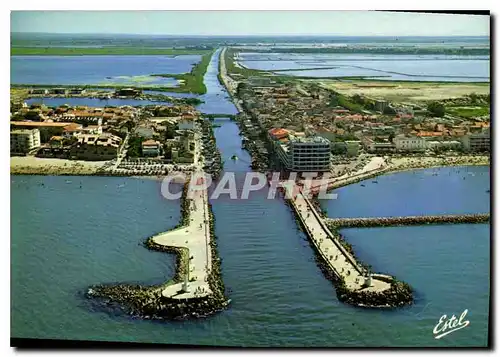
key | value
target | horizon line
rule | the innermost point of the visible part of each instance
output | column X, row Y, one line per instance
column 246, row 35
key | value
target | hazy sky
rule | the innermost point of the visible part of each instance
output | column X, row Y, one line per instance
column 349, row 23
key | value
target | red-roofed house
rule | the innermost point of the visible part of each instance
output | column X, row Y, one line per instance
column 278, row 133
column 150, row 148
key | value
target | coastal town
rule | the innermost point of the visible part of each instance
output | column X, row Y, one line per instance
column 121, row 141
column 291, row 125
column 294, row 126
column 276, row 190
column 288, row 127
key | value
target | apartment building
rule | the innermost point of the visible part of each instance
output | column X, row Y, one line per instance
column 150, row 148
column 373, row 146
column 477, row 141
column 24, row 140
column 444, row 145
column 300, row 153
column 96, row 147
column 309, row 153
column 47, row 129
column 186, row 124
column 352, row 147
column 412, row 143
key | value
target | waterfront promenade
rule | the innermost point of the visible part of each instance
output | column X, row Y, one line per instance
column 335, row 256
column 374, row 166
column 196, row 238
column 383, row 165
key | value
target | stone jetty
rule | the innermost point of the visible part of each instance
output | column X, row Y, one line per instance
column 211, row 154
column 407, row 220
column 196, row 289
column 354, row 283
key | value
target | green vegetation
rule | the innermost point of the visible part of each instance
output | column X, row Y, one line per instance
column 233, row 69
column 337, row 99
column 192, row 82
column 342, row 138
column 99, row 51
column 135, row 146
column 468, row 112
column 170, row 131
column 436, row 109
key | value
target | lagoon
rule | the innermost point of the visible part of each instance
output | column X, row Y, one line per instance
column 388, row 67
column 99, row 70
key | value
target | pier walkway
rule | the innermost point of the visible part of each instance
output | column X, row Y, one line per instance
column 334, row 255
column 196, row 238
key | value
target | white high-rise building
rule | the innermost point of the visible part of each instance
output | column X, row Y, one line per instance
column 309, row 154
column 300, row 153
column 24, row 140
column 477, row 141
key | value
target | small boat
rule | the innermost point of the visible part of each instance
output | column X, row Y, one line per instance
column 362, row 185
column 374, row 181
column 234, row 157
column 68, row 181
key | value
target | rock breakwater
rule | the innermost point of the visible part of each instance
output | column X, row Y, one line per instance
column 335, row 223
column 148, row 301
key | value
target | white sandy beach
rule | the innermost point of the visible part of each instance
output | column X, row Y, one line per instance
column 36, row 165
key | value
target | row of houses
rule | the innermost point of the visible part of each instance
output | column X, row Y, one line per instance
column 91, row 147
column 62, row 91
column 122, row 92
column 473, row 142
